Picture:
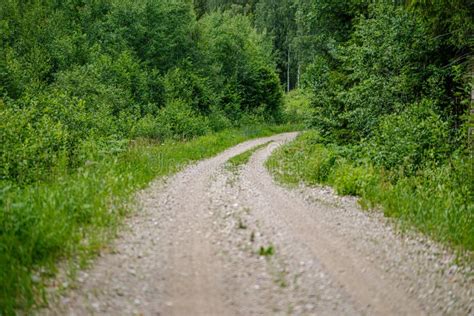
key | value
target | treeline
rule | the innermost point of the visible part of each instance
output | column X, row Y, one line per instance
column 80, row 77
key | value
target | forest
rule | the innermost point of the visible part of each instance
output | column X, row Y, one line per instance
column 97, row 95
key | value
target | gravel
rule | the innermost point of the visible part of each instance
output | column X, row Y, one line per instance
column 194, row 247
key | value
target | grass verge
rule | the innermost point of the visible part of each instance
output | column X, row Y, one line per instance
column 76, row 214
column 243, row 158
column 437, row 200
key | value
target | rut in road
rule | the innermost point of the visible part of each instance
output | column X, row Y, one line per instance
column 196, row 247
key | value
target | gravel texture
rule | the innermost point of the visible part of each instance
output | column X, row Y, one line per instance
column 195, row 247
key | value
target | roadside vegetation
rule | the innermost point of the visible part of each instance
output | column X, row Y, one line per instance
column 388, row 86
column 437, row 199
column 75, row 214
column 243, row 158
column 97, row 98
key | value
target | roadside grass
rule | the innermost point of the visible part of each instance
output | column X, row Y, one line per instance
column 241, row 159
column 437, row 200
column 73, row 216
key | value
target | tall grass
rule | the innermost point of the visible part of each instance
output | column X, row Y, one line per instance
column 75, row 214
column 438, row 200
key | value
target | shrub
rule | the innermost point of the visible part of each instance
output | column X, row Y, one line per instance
column 178, row 120
column 407, row 140
column 218, row 120
column 239, row 62
column 190, row 88
column 32, row 144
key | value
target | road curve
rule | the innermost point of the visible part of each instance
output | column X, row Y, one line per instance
column 195, row 247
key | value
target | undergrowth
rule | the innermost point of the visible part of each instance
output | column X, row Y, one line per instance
column 437, row 199
column 73, row 215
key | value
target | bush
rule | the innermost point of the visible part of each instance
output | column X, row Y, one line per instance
column 218, row 120
column 239, row 62
column 190, row 88
column 33, row 143
column 178, row 120
column 407, row 140
column 348, row 179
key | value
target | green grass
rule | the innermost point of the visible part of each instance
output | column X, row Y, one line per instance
column 266, row 251
column 243, row 158
column 437, row 200
column 74, row 216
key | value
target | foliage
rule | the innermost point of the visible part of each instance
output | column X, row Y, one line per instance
column 239, row 61
column 178, row 120
column 437, row 200
column 297, row 106
column 408, row 140
column 77, row 72
column 81, row 82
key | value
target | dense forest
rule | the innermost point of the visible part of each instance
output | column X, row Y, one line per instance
column 384, row 86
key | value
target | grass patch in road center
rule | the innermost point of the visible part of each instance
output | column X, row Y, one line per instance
column 243, row 158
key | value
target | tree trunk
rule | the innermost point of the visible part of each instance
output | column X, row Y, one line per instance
column 288, row 70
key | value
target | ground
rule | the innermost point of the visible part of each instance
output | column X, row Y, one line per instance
column 214, row 240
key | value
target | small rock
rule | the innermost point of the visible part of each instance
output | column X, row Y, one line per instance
column 96, row 306
column 309, row 307
column 35, row 278
column 452, row 269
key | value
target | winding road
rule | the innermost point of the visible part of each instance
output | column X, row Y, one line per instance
column 215, row 241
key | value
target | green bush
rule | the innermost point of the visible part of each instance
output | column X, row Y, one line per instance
column 218, row 120
column 190, row 88
column 407, row 140
column 348, row 179
column 178, row 120
column 32, row 144
column 239, row 62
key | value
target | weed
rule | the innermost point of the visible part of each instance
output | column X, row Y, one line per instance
column 243, row 158
column 252, row 236
column 266, row 251
column 281, row 279
column 241, row 224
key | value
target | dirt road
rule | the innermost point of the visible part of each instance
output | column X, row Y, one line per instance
column 210, row 241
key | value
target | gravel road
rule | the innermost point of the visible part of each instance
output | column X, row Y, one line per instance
column 214, row 241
